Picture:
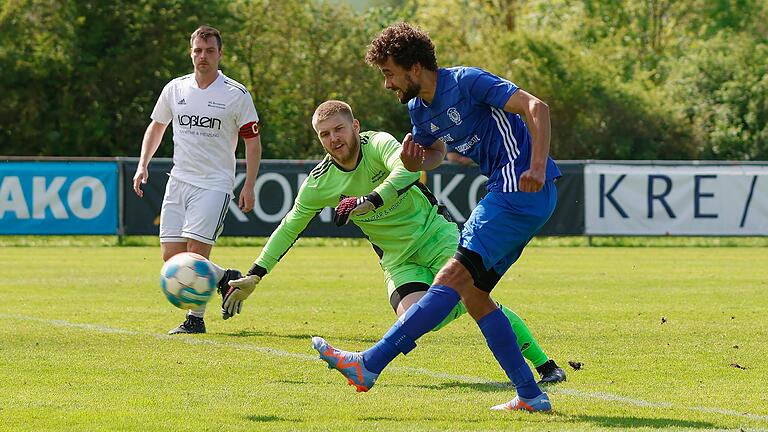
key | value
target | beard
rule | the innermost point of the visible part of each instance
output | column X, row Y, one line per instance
column 348, row 153
column 410, row 92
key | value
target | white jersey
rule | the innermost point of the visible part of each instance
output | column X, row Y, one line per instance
column 206, row 124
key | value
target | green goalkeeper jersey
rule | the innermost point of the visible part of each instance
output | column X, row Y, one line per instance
column 409, row 212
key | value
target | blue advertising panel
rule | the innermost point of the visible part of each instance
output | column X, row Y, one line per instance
column 58, row 197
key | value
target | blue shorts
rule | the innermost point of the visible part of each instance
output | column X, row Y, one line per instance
column 503, row 223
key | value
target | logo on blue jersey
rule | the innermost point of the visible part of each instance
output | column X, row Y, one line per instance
column 454, row 115
column 433, row 127
column 447, row 138
column 468, row 144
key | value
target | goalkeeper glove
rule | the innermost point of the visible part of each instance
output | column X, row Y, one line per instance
column 242, row 288
column 353, row 206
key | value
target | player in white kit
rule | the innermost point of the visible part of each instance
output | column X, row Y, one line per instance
column 208, row 111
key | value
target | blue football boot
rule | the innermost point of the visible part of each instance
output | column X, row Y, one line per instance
column 350, row 364
column 539, row 403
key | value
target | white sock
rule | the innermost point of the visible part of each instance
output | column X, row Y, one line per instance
column 217, row 271
column 199, row 313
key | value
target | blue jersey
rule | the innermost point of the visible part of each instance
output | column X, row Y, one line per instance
column 467, row 114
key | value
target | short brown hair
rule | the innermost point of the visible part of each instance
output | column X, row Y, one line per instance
column 407, row 45
column 330, row 108
column 204, row 32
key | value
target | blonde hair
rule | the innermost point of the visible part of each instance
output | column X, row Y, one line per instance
column 329, row 109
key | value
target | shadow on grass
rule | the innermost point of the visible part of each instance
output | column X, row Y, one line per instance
column 251, row 333
column 380, row 418
column 601, row 421
column 483, row 387
column 304, row 336
column 269, row 419
column 637, row 422
column 296, row 382
column 399, row 419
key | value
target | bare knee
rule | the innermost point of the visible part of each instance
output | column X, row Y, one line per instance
column 456, row 276
column 199, row 248
column 409, row 301
column 170, row 249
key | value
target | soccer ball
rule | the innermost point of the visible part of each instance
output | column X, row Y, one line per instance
column 187, row 280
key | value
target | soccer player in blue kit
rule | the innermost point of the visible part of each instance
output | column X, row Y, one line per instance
column 478, row 115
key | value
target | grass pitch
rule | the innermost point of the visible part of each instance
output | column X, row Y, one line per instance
column 669, row 338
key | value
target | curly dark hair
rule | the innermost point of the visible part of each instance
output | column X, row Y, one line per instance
column 407, row 45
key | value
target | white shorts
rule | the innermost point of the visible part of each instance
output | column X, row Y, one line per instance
column 190, row 212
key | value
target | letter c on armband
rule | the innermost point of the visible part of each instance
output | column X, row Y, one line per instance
column 249, row 130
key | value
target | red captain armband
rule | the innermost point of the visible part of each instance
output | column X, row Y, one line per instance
column 249, row 130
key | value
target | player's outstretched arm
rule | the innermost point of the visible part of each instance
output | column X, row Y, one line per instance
column 307, row 205
column 536, row 114
column 152, row 137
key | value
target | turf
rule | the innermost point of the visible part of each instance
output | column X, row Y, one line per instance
column 669, row 338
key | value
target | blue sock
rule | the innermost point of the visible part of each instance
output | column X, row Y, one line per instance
column 419, row 319
column 503, row 343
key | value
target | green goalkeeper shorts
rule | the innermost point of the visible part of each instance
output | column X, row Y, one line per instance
column 424, row 264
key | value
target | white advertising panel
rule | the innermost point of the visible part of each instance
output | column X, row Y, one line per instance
column 676, row 200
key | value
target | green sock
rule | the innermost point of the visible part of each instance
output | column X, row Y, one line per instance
column 525, row 340
column 456, row 312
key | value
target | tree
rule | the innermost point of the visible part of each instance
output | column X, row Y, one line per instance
column 84, row 76
column 295, row 55
column 721, row 85
column 35, row 44
column 655, row 79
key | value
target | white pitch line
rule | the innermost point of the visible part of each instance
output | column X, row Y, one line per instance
column 440, row 375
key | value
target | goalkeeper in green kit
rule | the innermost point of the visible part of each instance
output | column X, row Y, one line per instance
column 363, row 177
